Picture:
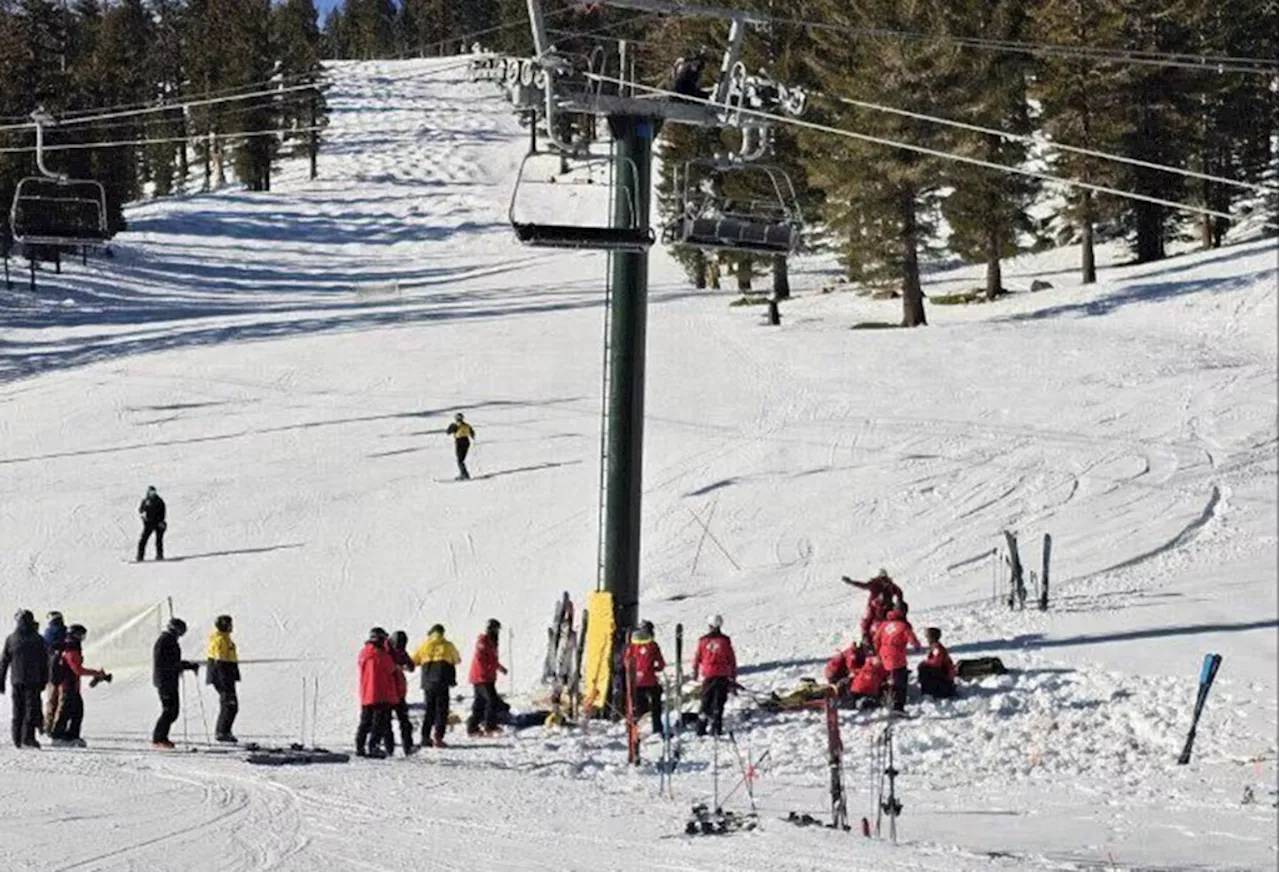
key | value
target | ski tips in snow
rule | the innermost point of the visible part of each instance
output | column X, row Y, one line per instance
column 1208, row 672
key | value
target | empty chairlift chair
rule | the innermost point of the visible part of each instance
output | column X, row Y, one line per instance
column 52, row 209
column 599, row 236
column 713, row 221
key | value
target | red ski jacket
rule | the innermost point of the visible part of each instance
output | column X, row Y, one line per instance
column 484, row 662
column 715, row 657
column 403, row 662
column 869, row 680
column 874, row 615
column 73, row 660
column 836, row 670
column 378, row 673
column 845, row 664
column 940, row 659
column 647, row 657
column 891, row 643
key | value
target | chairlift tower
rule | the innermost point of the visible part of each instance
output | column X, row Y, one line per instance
column 553, row 83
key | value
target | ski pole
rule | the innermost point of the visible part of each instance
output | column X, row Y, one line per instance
column 185, row 738
column 302, row 713
column 203, row 720
column 315, row 705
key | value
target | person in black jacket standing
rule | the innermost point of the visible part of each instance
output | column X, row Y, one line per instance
column 152, row 512
column 167, row 666
column 26, row 662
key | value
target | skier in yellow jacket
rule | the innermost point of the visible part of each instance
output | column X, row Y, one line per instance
column 462, row 433
column 439, row 661
column 223, row 671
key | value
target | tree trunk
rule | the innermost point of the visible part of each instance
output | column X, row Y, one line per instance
column 1150, row 227
column 1088, row 268
column 713, row 267
column 781, row 278
column 699, row 269
column 995, row 284
column 744, row 274
column 912, row 293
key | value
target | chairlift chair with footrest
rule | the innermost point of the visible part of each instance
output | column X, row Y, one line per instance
column 54, row 210
column 541, row 234
column 712, row 221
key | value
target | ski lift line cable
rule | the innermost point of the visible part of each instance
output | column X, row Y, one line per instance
column 920, row 149
column 1048, row 143
column 223, row 117
column 195, row 139
column 1210, row 63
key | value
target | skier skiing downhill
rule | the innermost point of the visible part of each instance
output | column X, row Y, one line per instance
column 400, row 708
column 439, row 660
column 937, row 673
column 152, row 512
column 891, row 644
column 70, row 669
column 222, row 671
column 25, row 662
column 377, row 694
column 718, row 666
column 485, row 668
column 644, row 655
column 167, row 667
column 55, row 631
column 463, row 435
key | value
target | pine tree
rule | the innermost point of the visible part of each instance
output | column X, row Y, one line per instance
column 299, row 43
column 987, row 210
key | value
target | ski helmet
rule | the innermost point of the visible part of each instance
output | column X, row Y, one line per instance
column 222, row 623
column 177, row 626
column 646, row 628
column 377, row 634
column 457, row 417
column 151, row 490
column 24, row 617
column 436, row 629
column 400, row 638
column 493, row 626
column 715, row 622
column 77, row 631
column 54, row 617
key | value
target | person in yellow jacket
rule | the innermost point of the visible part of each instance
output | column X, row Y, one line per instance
column 463, row 434
column 438, row 659
column 223, row 671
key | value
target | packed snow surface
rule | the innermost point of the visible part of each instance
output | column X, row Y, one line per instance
column 281, row 366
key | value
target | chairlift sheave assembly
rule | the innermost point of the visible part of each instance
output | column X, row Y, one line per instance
column 712, row 220
column 53, row 209
column 632, row 236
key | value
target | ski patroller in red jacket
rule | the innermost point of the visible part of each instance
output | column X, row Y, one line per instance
column 403, row 662
column 484, row 662
column 891, row 642
column 647, row 657
column 715, row 657
column 940, row 659
column 377, row 675
column 869, row 679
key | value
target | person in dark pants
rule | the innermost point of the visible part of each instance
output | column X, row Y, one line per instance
column 891, row 643
column 167, row 667
column 400, row 708
column 152, row 512
column 25, row 662
column 485, row 668
column 439, row 660
column 463, row 435
column 644, row 658
column 377, row 694
column 716, row 662
column 222, row 671
column 70, row 714
column 55, row 631
column 686, row 75
column 937, row 673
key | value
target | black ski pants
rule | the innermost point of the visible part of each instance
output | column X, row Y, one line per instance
column 228, row 708
column 460, row 449
column 436, row 718
column 898, row 688
column 715, row 693
column 147, row 530
column 401, row 712
column 484, row 708
column 26, row 713
column 170, row 708
column 375, row 727
column 649, row 700
column 70, row 715
column 935, row 682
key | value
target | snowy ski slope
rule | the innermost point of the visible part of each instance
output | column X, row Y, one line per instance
column 281, row 366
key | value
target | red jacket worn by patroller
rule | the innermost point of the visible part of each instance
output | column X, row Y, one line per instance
column 484, row 662
column 647, row 657
column 869, row 679
column 891, row 642
column 377, row 675
column 715, row 657
column 939, row 659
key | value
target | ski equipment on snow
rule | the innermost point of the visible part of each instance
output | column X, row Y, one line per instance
column 887, row 804
column 1208, row 671
column 835, row 760
column 1044, row 572
column 633, row 730
column 1017, row 583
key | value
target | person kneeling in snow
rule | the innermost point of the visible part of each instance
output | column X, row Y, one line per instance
column 891, row 644
column 937, row 673
column 859, row 676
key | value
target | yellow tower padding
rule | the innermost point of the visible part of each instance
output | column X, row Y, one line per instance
column 597, row 658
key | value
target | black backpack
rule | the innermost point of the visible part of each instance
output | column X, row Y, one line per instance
column 979, row 667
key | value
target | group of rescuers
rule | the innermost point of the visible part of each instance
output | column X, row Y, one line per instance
column 871, row 671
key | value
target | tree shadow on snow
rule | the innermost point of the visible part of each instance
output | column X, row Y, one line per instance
column 1038, row 641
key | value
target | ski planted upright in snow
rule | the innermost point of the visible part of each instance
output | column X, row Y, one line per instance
column 1208, row 671
column 1017, row 583
column 835, row 760
column 633, row 729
